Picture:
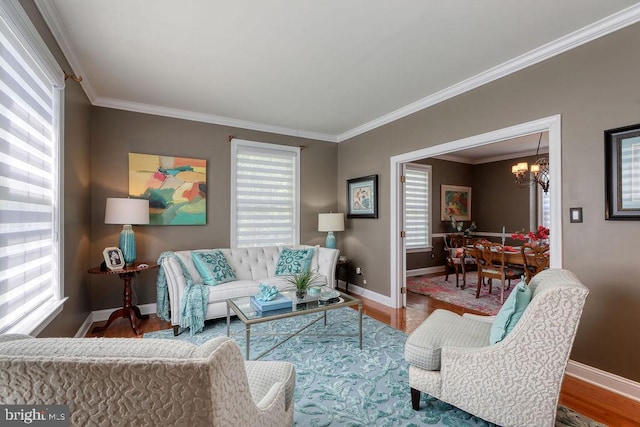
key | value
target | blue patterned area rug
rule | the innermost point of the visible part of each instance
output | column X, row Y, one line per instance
column 337, row 384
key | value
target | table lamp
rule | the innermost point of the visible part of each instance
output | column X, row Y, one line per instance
column 127, row 212
column 330, row 222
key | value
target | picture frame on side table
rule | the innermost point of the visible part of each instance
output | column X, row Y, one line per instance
column 622, row 173
column 113, row 258
column 362, row 197
column 455, row 202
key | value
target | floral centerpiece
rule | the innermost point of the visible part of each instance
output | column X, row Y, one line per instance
column 534, row 237
column 459, row 226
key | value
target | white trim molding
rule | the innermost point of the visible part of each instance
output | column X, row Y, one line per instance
column 103, row 315
column 570, row 41
column 604, row 379
column 601, row 28
column 426, row 270
column 551, row 124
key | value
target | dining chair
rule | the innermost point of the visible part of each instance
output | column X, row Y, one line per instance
column 536, row 259
column 491, row 265
column 458, row 259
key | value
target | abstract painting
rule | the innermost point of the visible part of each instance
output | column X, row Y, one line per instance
column 455, row 201
column 176, row 188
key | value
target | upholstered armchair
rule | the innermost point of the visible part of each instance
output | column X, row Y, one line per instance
column 515, row 382
column 146, row 382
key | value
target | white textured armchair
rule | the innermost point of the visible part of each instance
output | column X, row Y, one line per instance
column 146, row 382
column 515, row 382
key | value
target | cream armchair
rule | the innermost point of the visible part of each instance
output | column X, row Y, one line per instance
column 515, row 382
column 146, row 382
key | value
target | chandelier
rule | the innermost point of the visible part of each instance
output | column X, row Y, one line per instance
column 537, row 174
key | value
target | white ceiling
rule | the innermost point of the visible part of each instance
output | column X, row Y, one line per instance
column 326, row 70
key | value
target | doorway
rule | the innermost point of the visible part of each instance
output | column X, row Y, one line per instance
column 550, row 124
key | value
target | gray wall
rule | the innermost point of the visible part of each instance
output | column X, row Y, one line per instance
column 76, row 205
column 117, row 133
column 594, row 87
column 497, row 201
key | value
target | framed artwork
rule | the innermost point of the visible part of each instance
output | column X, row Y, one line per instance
column 362, row 197
column 622, row 173
column 176, row 188
column 455, row 202
column 113, row 258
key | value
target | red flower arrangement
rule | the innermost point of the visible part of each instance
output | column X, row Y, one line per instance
column 542, row 233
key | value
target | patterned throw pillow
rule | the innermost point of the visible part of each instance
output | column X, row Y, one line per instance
column 511, row 311
column 213, row 267
column 294, row 261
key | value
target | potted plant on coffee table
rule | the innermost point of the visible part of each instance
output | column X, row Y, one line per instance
column 303, row 281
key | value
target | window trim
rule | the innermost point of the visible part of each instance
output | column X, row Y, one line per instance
column 237, row 143
column 17, row 20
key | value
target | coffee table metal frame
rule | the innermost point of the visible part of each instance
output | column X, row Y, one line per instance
column 249, row 316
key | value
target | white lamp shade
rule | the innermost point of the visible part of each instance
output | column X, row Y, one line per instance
column 331, row 222
column 126, row 211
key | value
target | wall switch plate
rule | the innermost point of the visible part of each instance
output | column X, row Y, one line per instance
column 575, row 214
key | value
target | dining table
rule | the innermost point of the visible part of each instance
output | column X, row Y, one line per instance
column 512, row 254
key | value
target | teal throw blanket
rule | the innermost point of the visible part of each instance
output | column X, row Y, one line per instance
column 193, row 304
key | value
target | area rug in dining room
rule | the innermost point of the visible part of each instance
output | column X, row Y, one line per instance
column 438, row 288
column 337, row 384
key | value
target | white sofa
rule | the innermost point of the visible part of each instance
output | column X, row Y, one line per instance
column 251, row 266
column 146, row 382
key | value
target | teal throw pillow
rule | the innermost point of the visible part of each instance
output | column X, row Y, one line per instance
column 294, row 261
column 213, row 267
column 510, row 312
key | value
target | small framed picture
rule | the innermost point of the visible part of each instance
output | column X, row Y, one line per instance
column 113, row 258
column 362, row 197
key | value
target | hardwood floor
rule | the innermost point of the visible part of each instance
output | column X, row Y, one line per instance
column 594, row 402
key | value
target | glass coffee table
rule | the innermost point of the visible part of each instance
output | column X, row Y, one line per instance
column 246, row 312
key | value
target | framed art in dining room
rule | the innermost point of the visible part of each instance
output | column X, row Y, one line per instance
column 455, row 203
column 362, row 197
column 622, row 173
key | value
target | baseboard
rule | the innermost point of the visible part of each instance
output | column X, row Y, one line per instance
column 84, row 328
column 605, row 380
column 366, row 293
column 102, row 315
column 427, row 270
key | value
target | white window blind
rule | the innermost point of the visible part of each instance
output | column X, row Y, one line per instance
column 545, row 209
column 265, row 194
column 417, row 206
column 29, row 144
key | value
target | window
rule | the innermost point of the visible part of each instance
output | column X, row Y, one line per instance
column 544, row 208
column 265, row 182
column 417, row 206
column 30, row 116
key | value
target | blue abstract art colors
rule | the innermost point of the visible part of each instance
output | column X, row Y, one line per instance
column 176, row 188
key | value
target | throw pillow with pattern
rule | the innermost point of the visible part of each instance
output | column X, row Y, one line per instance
column 213, row 267
column 294, row 261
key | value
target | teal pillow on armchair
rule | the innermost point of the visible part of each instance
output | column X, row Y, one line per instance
column 510, row 313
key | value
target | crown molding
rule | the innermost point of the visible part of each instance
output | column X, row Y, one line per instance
column 208, row 118
column 605, row 26
column 56, row 26
column 482, row 160
column 598, row 29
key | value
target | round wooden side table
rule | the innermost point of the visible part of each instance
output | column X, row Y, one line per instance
column 128, row 311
